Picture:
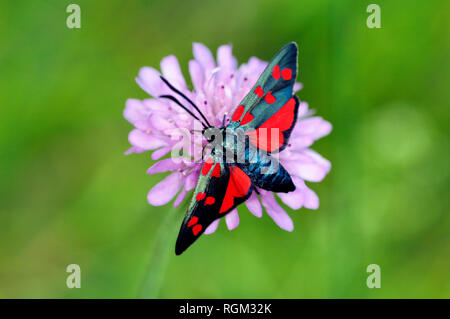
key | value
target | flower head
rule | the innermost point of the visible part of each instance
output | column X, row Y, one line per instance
column 218, row 87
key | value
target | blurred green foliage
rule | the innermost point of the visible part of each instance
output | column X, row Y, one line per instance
column 69, row 195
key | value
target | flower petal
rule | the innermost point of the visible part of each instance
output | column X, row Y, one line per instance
column 324, row 164
column 279, row 216
column 161, row 123
column 164, row 165
column 296, row 198
column 324, row 129
column 297, row 86
column 146, row 141
column 143, row 125
column 299, row 142
column 308, row 165
column 212, row 227
column 311, row 199
column 148, row 79
column 156, row 155
column 191, row 180
column 248, row 74
column 157, row 106
column 232, row 219
column 170, row 68
column 197, row 75
column 134, row 149
column 225, row 58
column 253, row 205
column 315, row 127
column 165, row 190
column 302, row 109
column 135, row 111
column 204, row 56
column 180, row 197
column 256, row 66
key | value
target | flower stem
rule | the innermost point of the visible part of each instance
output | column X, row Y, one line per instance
column 159, row 258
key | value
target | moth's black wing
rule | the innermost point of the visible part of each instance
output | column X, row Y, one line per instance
column 271, row 103
column 220, row 188
column 267, row 115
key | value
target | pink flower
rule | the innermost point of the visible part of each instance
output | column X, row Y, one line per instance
column 218, row 87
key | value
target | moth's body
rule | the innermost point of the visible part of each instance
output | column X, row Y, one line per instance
column 242, row 152
column 232, row 145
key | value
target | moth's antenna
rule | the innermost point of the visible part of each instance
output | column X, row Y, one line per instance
column 186, row 98
column 170, row 97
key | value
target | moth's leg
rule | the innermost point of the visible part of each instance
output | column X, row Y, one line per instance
column 223, row 120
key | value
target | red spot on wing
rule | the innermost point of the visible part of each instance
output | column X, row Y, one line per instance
column 216, row 171
column 200, row 196
column 286, row 74
column 276, row 72
column 270, row 98
column 238, row 113
column 193, row 221
column 196, row 229
column 238, row 186
column 209, row 162
column 247, row 118
column 210, row 200
column 268, row 139
column 259, row 91
column 269, row 136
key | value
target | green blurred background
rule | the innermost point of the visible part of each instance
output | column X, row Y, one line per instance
column 69, row 194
